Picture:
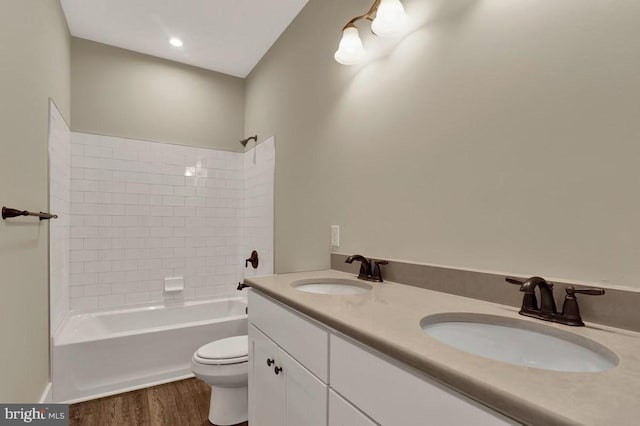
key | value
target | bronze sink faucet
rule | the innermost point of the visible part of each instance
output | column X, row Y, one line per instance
column 546, row 311
column 369, row 268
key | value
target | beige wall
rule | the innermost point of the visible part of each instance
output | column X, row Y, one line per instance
column 34, row 66
column 498, row 135
column 117, row 92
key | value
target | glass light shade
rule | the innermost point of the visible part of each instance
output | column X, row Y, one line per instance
column 390, row 19
column 350, row 51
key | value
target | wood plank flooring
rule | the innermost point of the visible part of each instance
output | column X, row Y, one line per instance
column 183, row 403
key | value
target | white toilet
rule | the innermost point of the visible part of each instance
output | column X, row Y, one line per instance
column 224, row 365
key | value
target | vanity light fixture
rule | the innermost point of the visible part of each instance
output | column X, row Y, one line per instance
column 388, row 19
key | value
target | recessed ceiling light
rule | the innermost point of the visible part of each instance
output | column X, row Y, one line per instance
column 175, row 41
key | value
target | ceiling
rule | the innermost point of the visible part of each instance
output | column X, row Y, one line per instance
column 228, row 36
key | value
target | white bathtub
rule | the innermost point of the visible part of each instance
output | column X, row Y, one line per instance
column 105, row 353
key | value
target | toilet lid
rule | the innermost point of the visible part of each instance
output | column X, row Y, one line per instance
column 225, row 349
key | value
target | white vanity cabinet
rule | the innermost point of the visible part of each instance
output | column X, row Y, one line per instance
column 342, row 413
column 267, row 399
column 329, row 379
column 283, row 390
column 391, row 394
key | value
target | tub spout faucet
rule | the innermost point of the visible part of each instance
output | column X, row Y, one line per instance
column 369, row 269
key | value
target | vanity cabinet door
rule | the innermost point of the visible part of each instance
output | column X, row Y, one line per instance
column 306, row 395
column 266, row 389
column 292, row 397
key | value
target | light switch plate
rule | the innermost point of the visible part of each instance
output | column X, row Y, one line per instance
column 335, row 235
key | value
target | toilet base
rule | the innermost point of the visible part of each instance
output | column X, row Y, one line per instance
column 228, row 406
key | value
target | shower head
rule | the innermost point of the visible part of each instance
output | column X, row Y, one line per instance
column 244, row 142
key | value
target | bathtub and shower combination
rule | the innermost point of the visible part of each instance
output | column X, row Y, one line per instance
column 104, row 353
column 100, row 353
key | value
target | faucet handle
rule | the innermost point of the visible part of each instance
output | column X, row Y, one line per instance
column 589, row 291
column 377, row 272
column 570, row 310
column 514, row 281
column 253, row 259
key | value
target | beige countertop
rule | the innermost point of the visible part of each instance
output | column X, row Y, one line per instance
column 388, row 319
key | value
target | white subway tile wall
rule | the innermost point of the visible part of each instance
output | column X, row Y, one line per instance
column 143, row 211
column 60, row 204
column 257, row 229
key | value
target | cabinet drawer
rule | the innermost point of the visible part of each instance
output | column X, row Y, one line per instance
column 341, row 413
column 304, row 340
column 391, row 395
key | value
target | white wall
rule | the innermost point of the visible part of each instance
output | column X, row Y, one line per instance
column 60, row 204
column 34, row 66
column 496, row 135
column 127, row 94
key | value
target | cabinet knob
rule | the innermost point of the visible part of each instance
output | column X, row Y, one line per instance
column 277, row 370
column 270, row 362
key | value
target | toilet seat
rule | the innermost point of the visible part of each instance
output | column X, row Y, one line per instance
column 232, row 350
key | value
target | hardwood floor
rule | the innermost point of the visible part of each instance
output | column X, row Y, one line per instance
column 183, row 403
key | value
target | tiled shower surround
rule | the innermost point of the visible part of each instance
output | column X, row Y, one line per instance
column 59, row 202
column 143, row 211
column 258, row 217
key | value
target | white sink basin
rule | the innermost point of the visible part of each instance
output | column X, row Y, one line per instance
column 519, row 342
column 333, row 286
